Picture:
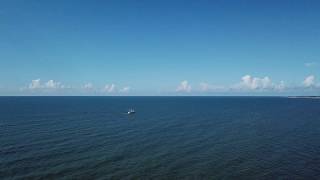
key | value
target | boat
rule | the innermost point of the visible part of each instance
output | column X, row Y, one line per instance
column 131, row 111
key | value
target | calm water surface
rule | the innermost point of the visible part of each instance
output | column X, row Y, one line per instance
column 168, row 138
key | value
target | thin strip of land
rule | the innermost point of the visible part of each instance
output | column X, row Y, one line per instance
column 305, row 97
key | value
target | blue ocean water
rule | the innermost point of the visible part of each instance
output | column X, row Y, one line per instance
column 167, row 138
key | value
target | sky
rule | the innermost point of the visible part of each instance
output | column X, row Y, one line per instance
column 174, row 47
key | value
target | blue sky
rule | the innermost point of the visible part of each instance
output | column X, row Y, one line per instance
column 159, row 47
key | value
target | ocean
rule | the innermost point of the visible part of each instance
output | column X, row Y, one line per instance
column 167, row 138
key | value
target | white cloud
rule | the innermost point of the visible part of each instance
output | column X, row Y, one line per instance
column 88, row 86
column 125, row 89
column 35, row 84
column 247, row 83
column 112, row 88
column 309, row 81
column 51, row 84
column 310, row 64
column 254, row 83
column 109, row 88
column 258, row 84
column 184, row 87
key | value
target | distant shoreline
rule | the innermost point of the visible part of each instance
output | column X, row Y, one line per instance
column 305, row 97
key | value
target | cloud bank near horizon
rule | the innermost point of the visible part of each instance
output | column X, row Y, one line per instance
column 52, row 86
column 251, row 84
column 247, row 84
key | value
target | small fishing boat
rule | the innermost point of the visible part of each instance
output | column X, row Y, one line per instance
column 131, row 111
